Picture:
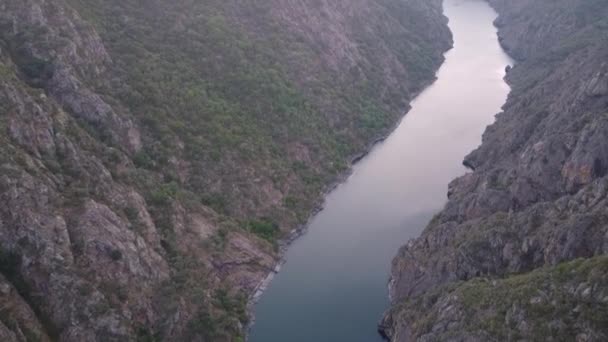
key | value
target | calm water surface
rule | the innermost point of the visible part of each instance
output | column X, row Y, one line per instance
column 334, row 284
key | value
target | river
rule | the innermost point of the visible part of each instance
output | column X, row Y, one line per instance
column 333, row 286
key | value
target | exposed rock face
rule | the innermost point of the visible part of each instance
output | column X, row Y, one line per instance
column 154, row 152
column 536, row 198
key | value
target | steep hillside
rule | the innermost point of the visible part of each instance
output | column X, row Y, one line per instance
column 493, row 264
column 154, row 152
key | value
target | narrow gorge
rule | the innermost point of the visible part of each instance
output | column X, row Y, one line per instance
column 333, row 284
column 155, row 154
column 158, row 158
column 519, row 251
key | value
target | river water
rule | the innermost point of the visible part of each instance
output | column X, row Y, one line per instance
column 333, row 286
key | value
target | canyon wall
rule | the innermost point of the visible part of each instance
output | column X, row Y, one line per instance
column 519, row 251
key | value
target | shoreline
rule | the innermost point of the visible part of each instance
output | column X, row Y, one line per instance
column 384, row 325
column 302, row 229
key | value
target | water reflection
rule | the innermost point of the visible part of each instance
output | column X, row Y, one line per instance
column 333, row 286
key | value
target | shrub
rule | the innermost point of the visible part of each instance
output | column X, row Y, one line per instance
column 164, row 194
column 216, row 202
column 142, row 160
column 265, row 229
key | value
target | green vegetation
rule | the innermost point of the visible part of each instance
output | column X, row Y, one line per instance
column 5, row 71
column 560, row 301
column 551, row 293
column 230, row 100
column 264, row 228
column 143, row 160
column 233, row 305
column 242, row 115
column 215, row 201
column 164, row 194
column 203, row 325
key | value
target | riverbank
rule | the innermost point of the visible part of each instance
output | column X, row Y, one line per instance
column 302, row 229
column 334, row 282
column 151, row 159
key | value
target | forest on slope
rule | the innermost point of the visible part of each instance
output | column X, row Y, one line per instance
column 154, row 153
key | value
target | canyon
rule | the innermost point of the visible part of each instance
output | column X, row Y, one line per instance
column 156, row 154
column 158, row 157
column 332, row 286
column 519, row 251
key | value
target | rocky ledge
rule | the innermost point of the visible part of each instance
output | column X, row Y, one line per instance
column 518, row 253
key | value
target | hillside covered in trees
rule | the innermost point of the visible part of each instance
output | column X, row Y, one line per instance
column 154, row 153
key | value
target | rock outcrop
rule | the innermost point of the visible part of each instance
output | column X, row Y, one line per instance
column 495, row 264
column 154, row 153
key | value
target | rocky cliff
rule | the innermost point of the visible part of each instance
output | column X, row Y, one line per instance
column 518, row 253
column 155, row 152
